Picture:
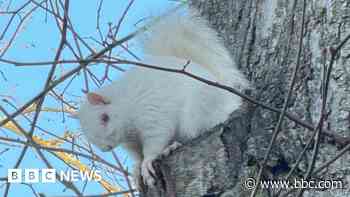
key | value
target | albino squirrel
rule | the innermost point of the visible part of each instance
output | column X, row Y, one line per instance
column 146, row 110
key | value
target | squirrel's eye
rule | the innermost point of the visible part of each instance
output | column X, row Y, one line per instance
column 104, row 118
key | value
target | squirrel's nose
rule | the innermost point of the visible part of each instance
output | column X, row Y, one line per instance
column 107, row 148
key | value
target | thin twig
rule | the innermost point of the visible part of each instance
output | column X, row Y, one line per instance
column 285, row 105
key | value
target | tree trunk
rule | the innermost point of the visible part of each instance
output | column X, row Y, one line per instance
column 264, row 37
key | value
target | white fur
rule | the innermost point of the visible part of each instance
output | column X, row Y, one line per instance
column 150, row 108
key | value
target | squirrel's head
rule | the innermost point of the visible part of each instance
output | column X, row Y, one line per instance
column 99, row 122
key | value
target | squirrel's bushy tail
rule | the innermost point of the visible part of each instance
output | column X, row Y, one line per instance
column 187, row 36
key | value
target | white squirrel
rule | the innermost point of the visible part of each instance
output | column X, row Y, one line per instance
column 146, row 109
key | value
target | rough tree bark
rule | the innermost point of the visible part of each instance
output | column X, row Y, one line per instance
column 263, row 36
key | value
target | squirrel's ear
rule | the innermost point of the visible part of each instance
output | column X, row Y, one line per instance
column 96, row 99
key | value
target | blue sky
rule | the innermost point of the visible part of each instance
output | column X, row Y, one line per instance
column 38, row 41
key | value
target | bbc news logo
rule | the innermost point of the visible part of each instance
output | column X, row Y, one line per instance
column 49, row 175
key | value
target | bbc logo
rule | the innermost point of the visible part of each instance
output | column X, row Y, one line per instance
column 31, row 175
column 50, row 175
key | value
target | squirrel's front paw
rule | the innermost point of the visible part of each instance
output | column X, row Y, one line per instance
column 148, row 173
column 171, row 148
